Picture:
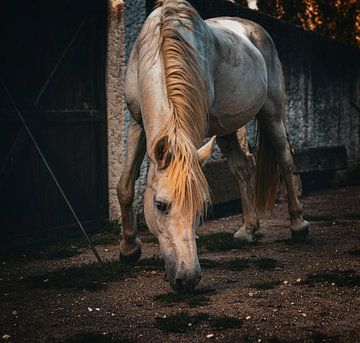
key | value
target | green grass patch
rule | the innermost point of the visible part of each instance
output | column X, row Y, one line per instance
column 239, row 264
column 67, row 247
column 220, row 241
column 92, row 276
column 223, row 323
column 209, row 264
column 197, row 298
column 265, row 285
column 265, row 263
column 95, row 337
column 180, row 322
column 326, row 217
column 355, row 252
column 152, row 263
column 346, row 278
column 320, row 218
column 184, row 322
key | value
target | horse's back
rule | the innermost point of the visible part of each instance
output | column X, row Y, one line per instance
column 247, row 29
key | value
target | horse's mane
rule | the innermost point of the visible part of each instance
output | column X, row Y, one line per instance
column 187, row 98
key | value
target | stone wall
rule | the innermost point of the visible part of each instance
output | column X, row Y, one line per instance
column 115, row 100
column 124, row 24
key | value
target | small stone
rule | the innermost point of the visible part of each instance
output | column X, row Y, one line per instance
column 304, row 314
column 251, row 294
column 286, row 282
column 210, row 335
column 248, row 317
column 106, row 250
column 6, row 337
column 97, row 309
column 90, row 309
column 14, row 313
column 113, row 314
column 45, row 280
column 298, row 280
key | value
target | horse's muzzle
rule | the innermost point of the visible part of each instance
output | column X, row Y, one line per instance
column 185, row 280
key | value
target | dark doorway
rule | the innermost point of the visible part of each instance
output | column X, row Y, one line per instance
column 52, row 60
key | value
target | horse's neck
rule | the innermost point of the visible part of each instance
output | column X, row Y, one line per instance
column 155, row 102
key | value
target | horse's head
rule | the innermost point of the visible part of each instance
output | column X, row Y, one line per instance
column 175, row 199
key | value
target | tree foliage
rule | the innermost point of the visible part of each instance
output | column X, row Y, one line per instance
column 339, row 20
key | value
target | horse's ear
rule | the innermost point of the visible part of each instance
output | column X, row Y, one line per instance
column 162, row 153
column 205, row 151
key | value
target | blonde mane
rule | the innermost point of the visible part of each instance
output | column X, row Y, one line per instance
column 187, row 98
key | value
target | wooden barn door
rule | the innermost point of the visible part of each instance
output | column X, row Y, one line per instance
column 52, row 60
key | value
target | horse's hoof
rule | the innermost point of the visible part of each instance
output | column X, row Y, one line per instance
column 300, row 232
column 130, row 253
column 244, row 234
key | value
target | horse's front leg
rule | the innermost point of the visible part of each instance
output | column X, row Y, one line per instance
column 130, row 246
column 239, row 168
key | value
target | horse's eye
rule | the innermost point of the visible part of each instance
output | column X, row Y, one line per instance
column 162, row 206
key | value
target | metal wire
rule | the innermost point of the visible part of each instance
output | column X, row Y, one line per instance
column 50, row 170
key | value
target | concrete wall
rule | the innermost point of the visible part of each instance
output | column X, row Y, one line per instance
column 124, row 24
column 322, row 80
column 115, row 100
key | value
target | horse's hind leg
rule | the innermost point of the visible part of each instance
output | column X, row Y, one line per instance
column 273, row 126
column 130, row 246
column 239, row 167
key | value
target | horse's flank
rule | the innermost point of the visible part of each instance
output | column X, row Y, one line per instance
column 187, row 125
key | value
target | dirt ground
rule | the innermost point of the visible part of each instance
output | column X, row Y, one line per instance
column 275, row 291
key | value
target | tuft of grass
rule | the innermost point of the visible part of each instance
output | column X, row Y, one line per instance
column 183, row 322
column 197, row 298
column 92, row 276
column 326, row 217
column 320, row 218
column 355, row 252
column 209, row 264
column 223, row 323
column 220, row 241
column 346, row 278
column 237, row 264
column 180, row 322
column 352, row 215
column 319, row 337
column 112, row 226
column 95, row 337
column 152, row 263
column 68, row 247
column 265, row 285
column 265, row 263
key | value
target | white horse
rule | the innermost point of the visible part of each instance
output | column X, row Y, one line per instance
column 188, row 79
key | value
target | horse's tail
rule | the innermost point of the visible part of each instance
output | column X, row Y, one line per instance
column 267, row 176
